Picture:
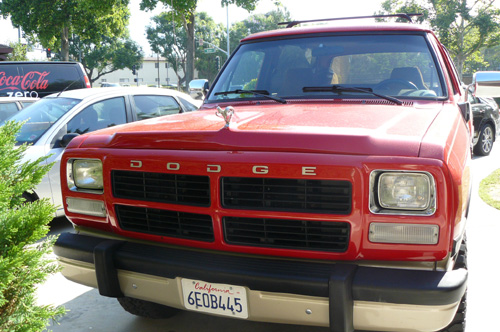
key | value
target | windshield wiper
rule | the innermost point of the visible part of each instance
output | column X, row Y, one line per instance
column 340, row 88
column 259, row 93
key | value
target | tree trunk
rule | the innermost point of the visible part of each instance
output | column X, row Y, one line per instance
column 190, row 51
column 65, row 44
column 460, row 61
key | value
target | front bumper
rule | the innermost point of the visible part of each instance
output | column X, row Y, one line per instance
column 343, row 296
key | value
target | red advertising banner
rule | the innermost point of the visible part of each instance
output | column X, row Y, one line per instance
column 24, row 85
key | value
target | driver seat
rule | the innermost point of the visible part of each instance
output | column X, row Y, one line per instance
column 411, row 74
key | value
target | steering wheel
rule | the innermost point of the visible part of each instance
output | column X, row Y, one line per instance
column 393, row 84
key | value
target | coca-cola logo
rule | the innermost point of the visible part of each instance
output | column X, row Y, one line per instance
column 33, row 80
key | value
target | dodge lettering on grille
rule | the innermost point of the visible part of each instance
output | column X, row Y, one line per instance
column 256, row 169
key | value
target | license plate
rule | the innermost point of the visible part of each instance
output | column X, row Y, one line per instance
column 218, row 299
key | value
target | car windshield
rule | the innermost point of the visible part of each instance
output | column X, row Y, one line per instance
column 40, row 116
column 357, row 66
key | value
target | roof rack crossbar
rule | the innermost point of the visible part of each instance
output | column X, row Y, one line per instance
column 399, row 15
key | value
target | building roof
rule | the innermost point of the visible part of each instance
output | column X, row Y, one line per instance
column 149, row 58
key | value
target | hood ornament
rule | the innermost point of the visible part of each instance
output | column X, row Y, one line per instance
column 226, row 114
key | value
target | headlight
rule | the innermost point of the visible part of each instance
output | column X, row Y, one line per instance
column 85, row 174
column 402, row 192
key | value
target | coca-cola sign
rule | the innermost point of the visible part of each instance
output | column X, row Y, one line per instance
column 24, row 85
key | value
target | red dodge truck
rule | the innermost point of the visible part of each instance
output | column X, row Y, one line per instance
column 325, row 181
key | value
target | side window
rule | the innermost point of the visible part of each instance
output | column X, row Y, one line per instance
column 148, row 107
column 187, row 105
column 27, row 103
column 103, row 114
column 7, row 109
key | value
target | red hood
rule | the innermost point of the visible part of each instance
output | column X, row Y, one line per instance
column 343, row 128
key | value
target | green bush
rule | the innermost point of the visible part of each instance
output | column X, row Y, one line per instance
column 24, row 250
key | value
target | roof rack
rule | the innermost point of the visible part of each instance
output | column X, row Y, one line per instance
column 400, row 15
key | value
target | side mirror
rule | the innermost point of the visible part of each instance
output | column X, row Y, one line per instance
column 206, row 87
column 198, row 88
column 465, row 110
column 486, row 84
column 66, row 139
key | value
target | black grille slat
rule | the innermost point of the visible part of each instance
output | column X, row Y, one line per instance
column 162, row 187
column 287, row 234
column 257, row 194
column 165, row 222
column 310, row 196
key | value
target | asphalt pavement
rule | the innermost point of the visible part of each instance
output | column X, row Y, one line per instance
column 88, row 311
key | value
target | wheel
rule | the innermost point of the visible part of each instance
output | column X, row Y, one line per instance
column 146, row 309
column 485, row 142
column 390, row 86
column 458, row 322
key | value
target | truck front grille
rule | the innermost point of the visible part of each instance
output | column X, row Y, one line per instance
column 287, row 234
column 309, row 196
column 185, row 225
column 162, row 187
column 242, row 193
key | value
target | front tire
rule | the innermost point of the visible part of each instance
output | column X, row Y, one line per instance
column 485, row 141
column 146, row 309
column 458, row 322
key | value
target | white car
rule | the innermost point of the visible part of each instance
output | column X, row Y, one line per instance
column 54, row 120
column 11, row 105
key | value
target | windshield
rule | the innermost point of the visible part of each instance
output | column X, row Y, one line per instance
column 40, row 116
column 401, row 66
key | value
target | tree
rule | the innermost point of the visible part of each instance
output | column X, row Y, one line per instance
column 109, row 55
column 257, row 23
column 464, row 27
column 168, row 42
column 19, row 53
column 171, row 45
column 53, row 22
column 183, row 12
column 491, row 57
column 24, row 260
column 213, row 37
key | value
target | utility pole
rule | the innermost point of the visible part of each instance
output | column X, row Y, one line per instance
column 227, row 15
column 158, row 62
